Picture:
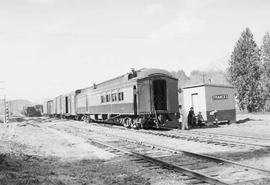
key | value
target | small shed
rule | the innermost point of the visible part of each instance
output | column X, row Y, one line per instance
column 209, row 98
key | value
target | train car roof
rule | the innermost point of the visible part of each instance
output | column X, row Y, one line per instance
column 140, row 74
column 67, row 94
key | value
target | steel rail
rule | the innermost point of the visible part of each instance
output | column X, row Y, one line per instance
column 184, row 170
column 205, row 137
column 209, row 157
column 106, row 124
column 231, row 135
column 164, row 164
column 216, row 159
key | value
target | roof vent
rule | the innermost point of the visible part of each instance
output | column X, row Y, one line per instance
column 132, row 74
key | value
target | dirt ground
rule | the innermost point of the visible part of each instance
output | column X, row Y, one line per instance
column 32, row 153
column 253, row 125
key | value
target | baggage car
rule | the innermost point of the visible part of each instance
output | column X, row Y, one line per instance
column 48, row 108
column 58, row 106
column 68, row 105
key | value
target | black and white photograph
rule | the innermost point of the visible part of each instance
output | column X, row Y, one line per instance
column 135, row 92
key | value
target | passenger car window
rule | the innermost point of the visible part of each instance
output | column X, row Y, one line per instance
column 120, row 96
column 102, row 99
column 107, row 98
column 114, row 97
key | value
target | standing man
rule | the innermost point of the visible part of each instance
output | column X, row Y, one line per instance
column 191, row 117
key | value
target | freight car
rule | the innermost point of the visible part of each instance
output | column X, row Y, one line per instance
column 48, row 108
column 33, row 111
column 57, row 101
column 139, row 99
column 68, row 106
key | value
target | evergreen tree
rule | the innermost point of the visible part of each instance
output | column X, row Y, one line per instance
column 265, row 58
column 245, row 73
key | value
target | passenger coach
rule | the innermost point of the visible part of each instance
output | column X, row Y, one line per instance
column 142, row 98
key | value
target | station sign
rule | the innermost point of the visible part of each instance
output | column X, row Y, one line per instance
column 220, row 97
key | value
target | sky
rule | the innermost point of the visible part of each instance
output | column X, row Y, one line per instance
column 52, row 47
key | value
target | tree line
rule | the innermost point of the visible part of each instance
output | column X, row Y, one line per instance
column 249, row 72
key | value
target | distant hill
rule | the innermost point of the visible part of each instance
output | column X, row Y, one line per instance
column 196, row 76
column 16, row 106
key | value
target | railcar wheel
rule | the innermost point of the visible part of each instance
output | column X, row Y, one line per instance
column 133, row 123
column 127, row 122
column 86, row 119
column 82, row 118
column 136, row 123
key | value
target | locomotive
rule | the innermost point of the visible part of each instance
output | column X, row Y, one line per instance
column 139, row 99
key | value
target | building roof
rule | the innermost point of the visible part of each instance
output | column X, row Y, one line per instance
column 207, row 84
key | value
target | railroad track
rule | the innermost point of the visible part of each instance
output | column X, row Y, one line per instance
column 257, row 141
column 201, row 169
column 225, row 140
column 250, row 143
column 215, row 139
column 248, row 137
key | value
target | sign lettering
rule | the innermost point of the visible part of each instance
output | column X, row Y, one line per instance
column 220, row 97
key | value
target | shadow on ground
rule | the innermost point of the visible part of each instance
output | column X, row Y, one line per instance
column 246, row 120
column 35, row 170
column 259, row 153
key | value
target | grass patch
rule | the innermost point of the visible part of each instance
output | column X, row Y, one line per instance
column 34, row 170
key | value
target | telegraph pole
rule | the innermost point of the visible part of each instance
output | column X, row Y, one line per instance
column 6, row 106
column 6, row 111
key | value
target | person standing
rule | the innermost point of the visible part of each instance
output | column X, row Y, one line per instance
column 191, row 118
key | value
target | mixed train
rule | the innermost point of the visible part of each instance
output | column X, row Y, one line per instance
column 138, row 99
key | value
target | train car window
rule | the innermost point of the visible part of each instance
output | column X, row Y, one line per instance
column 114, row 97
column 107, row 98
column 120, row 96
column 102, row 99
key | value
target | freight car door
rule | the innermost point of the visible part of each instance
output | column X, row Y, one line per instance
column 144, row 96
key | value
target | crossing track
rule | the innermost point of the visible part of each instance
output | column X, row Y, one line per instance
column 202, row 169
column 215, row 139
column 225, row 140
column 251, row 140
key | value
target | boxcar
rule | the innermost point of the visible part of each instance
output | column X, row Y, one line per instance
column 58, row 106
column 68, row 105
column 50, row 107
column 45, row 108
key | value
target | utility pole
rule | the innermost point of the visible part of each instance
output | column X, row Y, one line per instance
column 5, row 108
column 6, row 111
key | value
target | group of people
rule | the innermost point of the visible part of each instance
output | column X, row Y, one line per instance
column 194, row 121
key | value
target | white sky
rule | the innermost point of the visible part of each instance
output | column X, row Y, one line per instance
column 50, row 47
